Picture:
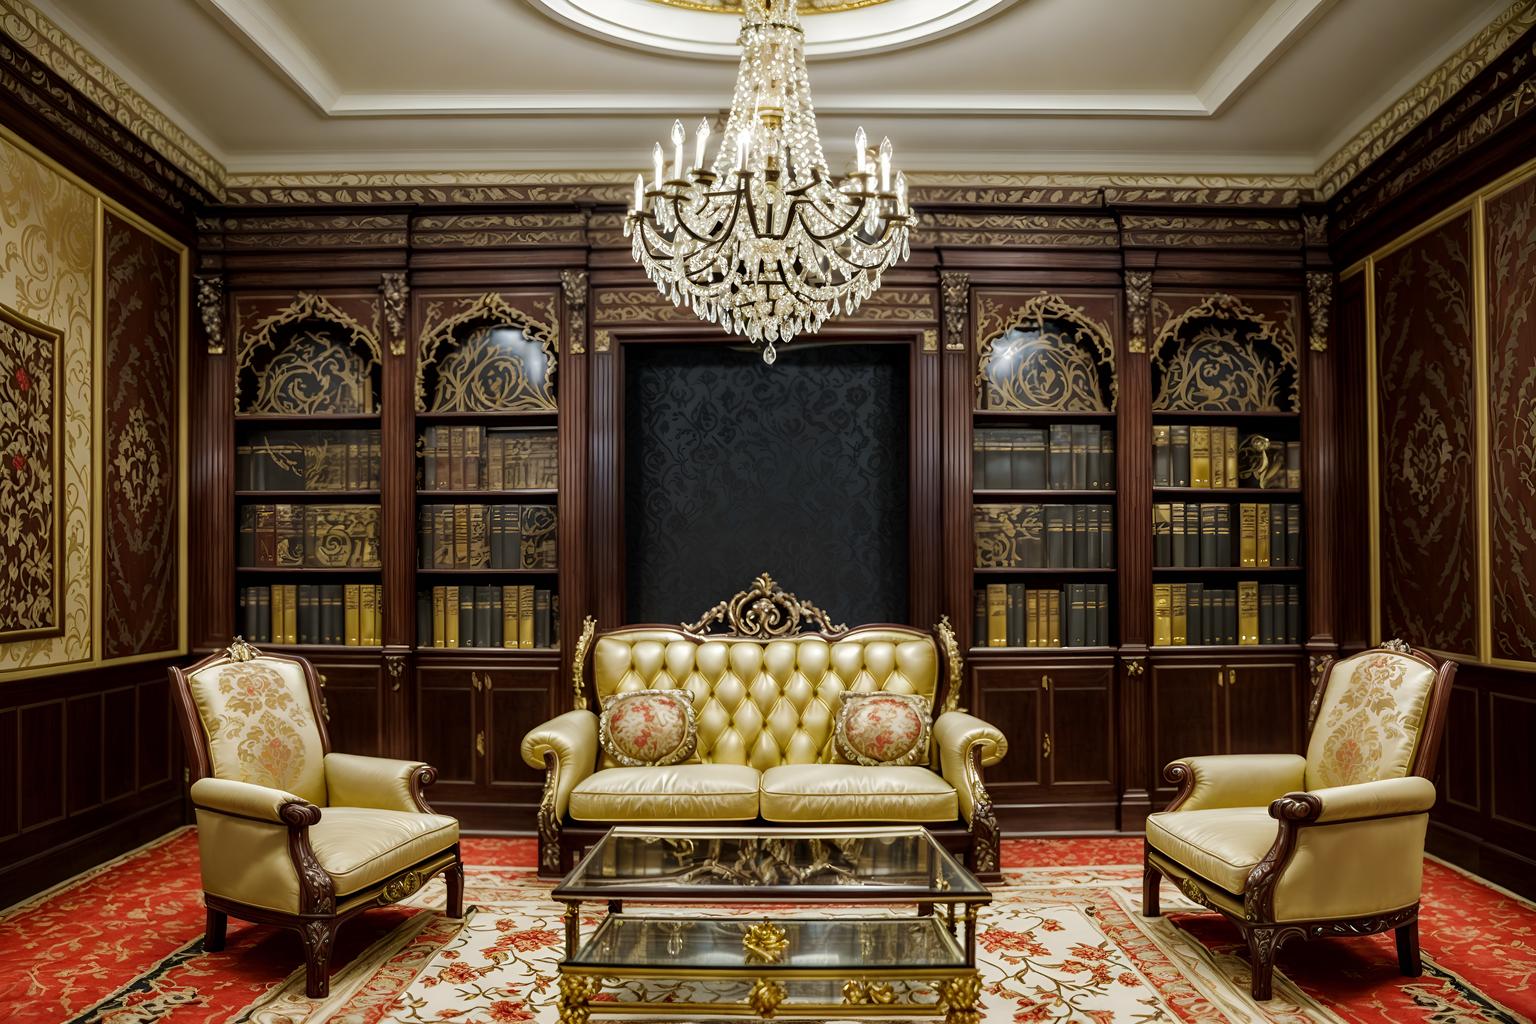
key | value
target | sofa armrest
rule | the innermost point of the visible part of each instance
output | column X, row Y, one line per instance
column 567, row 746
column 353, row 780
column 1384, row 798
column 1233, row 780
column 963, row 741
column 247, row 800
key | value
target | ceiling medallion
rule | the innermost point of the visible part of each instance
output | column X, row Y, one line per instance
column 805, row 6
column 764, row 242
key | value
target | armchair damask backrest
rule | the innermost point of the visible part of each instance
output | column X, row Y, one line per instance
column 1378, row 717
column 254, row 717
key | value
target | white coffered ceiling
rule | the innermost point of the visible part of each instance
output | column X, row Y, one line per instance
column 1176, row 86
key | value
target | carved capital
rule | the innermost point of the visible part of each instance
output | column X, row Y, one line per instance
column 393, row 292
column 574, row 284
column 1138, row 305
column 210, row 307
column 930, row 340
column 602, row 340
column 1319, row 308
column 1314, row 227
column 955, row 288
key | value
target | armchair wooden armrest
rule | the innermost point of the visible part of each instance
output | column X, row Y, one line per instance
column 966, row 746
column 1233, row 780
column 566, row 748
column 380, row 782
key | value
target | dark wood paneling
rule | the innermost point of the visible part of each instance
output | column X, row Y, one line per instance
column 447, row 721
column 1460, row 766
column 1082, row 731
column 1009, row 696
column 1426, row 397
column 82, row 784
column 1511, row 796
column 1511, row 249
column 118, row 746
column 354, row 697
column 1186, row 715
column 1263, row 709
column 517, row 698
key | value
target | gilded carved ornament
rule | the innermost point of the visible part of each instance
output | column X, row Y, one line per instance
column 267, row 332
column 1138, row 303
column 445, row 317
column 951, row 650
column 765, row 610
column 1186, row 379
column 1319, row 308
column 1047, row 367
column 955, row 290
column 210, row 308
column 573, row 283
column 393, row 292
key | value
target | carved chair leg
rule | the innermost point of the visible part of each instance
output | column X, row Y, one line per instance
column 213, row 935
column 319, row 937
column 454, row 878
column 1408, row 960
column 1261, row 956
column 1151, row 890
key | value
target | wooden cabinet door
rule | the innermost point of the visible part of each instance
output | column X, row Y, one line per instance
column 1263, row 709
column 516, row 700
column 1079, row 737
column 450, row 730
column 354, row 697
column 1010, row 697
column 1187, row 715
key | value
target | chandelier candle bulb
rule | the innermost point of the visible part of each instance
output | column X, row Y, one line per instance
column 766, row 242
column 639, row 193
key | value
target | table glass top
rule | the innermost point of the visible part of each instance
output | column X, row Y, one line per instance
column 889, row 864
column 792, row 944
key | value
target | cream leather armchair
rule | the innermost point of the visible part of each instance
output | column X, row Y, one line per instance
column 288, row 832
column 1327, row 844
column 765, row 701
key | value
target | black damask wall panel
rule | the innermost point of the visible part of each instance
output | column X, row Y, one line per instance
column 799, row 469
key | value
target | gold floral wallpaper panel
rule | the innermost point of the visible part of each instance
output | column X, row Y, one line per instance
column 47, row 250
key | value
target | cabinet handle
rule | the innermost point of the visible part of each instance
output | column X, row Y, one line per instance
column 1045, row 682
column 1231, row 677
column 480, row 743
column 1221, row 677
column 325, row 705
column 1046, row 747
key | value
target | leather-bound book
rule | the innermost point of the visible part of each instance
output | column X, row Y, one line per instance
column 466, row 616
column 979, row 617
column 245, row 546
column 474, row 438
column 1180, row 533
column 1083, row 545
column 525, row 613
column 1031, row 634
column 450, row 616
column 509, row 616
column 1053, row 616
column 1107, row 459
column 1292, row 614
column 1230, row 444
column 1224, row 535
column 455, row 458
column 1162, row 456
column 479, row 542
column 1162, row 615
column 1178, row 446
column 1247, row 545
column 1060, row 471
column 1032, row 472
column 1277, row 515
column 1077, row 615
column 1178, row 613
column 1293, row 535
column 1016, row 609
column 495, row 468
column 1199, row 456
column 290, row 534
column 1293, row 463
column 1194, row 611
column 352, row 624
column 1261, row 534
column 368, row 614
column 486, row 620
column 247, row 613
column 333, row 595
column 262, row 596
column 1219, row 457
column 1080, row 438
column 1106, row 537
column 424, row 540
column 439, row 616
column 1210, row 539
column 537, row 536
column 460, row 537
column 1058, row 551
column 541, row 631
column 997, row 615
column 1162, row 534
column 423, row 618
column 1248, row 612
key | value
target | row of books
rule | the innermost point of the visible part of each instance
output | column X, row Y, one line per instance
column 487, row 537
column 1207, row 456
column 308, row 460
column 1013, row 615
column 347, row 614
column 1030, row 536
column 481, row 458
column 1200, row 535
column 488, row 616
column 1063, row 457
column 1254, row 613
column 309, row 536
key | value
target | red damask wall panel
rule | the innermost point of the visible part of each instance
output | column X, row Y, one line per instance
column 139, row 514
column 29, row 477
column 1426, row 388
column 1511, row 218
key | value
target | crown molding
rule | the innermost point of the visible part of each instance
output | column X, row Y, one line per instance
column 43, row 37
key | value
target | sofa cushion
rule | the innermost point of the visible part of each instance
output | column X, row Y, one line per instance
column 679, row 792
column 883, row 729
column 1222, row 844
column 359, row 846
column 848, row 792
column 645, row 728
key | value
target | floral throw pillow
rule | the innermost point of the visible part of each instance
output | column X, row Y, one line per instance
column 648, row 728
column 882, row 729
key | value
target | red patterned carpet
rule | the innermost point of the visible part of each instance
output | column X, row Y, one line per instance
column 1063, row 942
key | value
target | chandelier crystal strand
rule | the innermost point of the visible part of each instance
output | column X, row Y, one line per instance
column 764, row 241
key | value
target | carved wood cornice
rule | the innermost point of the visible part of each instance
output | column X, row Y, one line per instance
column 1161, row 231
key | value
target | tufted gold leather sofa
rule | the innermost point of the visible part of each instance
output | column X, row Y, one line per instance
column 289, row 832
column 765, row 710
column 1331, row 843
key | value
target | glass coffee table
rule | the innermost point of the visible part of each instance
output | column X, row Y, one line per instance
column 787, row 957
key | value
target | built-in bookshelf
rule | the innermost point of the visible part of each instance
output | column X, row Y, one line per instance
column 1044, row 498
column 487, row 492
column 1226, row 462
column 308, row 567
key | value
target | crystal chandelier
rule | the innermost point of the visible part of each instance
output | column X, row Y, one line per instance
column 764, row 242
